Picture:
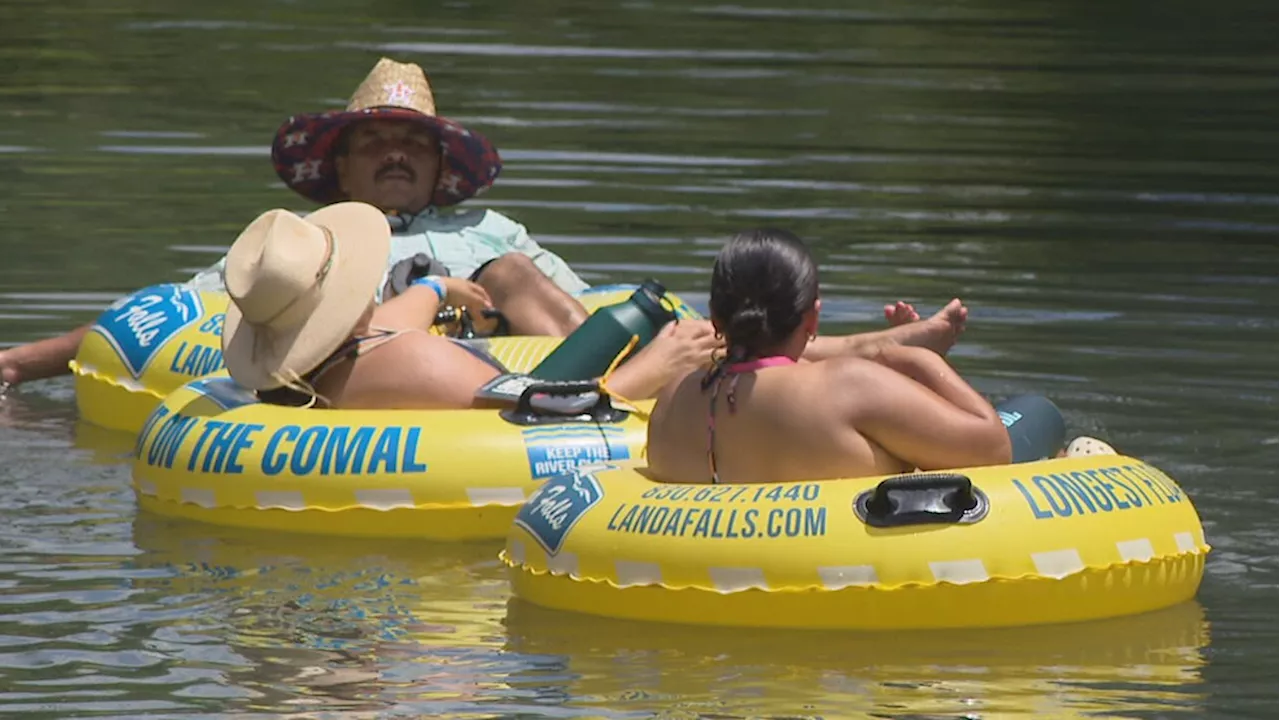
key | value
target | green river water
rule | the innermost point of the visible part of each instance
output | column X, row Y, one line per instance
column 1096, row 180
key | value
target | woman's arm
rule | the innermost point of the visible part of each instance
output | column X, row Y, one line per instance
column 416, row 307
column 937, row 333
column 919, row 409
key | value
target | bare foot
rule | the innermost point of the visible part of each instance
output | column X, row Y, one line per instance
column 900, row 313
column 938, row 333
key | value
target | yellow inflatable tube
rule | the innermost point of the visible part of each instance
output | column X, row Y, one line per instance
column 212, row 453
column 150, row 343
column 1054, row 541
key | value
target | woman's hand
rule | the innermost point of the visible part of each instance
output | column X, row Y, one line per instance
column 460, row 293
column 679, row 348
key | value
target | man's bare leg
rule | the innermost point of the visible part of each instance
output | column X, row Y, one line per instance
column 530, row 301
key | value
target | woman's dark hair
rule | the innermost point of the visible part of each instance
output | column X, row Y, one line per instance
column 763, row 283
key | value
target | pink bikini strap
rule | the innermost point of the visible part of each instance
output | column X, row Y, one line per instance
column 732, row 371
column 758, row 363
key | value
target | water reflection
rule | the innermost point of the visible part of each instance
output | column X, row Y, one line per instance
column 1097, row 182
column 1147, row 663
column 303, row 622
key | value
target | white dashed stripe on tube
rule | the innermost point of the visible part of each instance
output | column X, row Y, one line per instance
column 1186, row 541
column 1139, row 549
column 146, row 487
column 198, row 496
column 637, row 573
column 283, row 499
column 1058, row 563
column 385, row 499
column 496, row 496
column 563, row 564
column 959, row 572
column 733, row 579
column 835, row 577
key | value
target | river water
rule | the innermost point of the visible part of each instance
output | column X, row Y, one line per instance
column 1097, row 181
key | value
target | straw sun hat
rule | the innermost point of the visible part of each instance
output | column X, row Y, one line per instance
column 298, row 287
column 302, row 151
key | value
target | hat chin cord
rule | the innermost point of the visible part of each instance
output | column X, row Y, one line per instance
column 297, row 384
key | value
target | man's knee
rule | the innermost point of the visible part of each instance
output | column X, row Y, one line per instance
column 509, row 273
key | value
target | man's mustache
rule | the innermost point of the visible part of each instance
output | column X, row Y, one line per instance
column 394, row 167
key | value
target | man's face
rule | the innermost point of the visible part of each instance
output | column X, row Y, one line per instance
column 391, row 164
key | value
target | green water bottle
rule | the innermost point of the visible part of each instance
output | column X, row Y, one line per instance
column 1035, row 425
column 587, row 352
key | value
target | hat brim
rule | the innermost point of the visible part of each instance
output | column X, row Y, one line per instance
column 302, row 153
column 260, row 358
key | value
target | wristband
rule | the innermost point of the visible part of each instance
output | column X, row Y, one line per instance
column 435, row 282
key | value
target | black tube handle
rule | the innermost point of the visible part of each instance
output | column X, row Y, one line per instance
column 601, row 410
column 922, row 499
column 556, row 388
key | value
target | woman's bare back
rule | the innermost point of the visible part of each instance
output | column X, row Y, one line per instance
column 790, row 424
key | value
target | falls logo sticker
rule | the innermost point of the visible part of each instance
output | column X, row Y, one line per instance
column 138, row 325
column 557, row 449
column 552, row 511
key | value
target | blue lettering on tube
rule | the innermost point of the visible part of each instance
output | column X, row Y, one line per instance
column 1109, row 489
column 340, row 454
column 1036, row 510
column 659, row 520
column 185, row 426
column 1133, row 482
column 1061, row 507
column 703, row 528
column 672, row 526
column 1167, row 486
column 386, row 450
column 774, row 524
column 243, row 441
column 1157, row 489
column 1101, row 496
column 628, row 519
column 1131, row 497
column 815, row 522
column 145, row 434
column 306, row 452
column 646, row 515
column 719, row 523
column 273, row 462
column 688, row 520
column 1079, row 494
column 219, row 445
column 173, row 366
column 613, row 518
column 211, row 427
column 165, row 435
column 411, row 464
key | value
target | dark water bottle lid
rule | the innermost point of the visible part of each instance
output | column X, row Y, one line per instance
column 649, row 298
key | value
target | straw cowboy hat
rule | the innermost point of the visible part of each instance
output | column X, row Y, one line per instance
column 302, row 151
column 298, row 287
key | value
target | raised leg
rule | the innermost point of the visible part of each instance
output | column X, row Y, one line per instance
column 530, row 301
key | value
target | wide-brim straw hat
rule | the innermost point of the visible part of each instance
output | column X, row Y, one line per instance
column 302, row 151
column 298, row 287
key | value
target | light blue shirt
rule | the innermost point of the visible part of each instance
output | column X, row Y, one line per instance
column 462, row 241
